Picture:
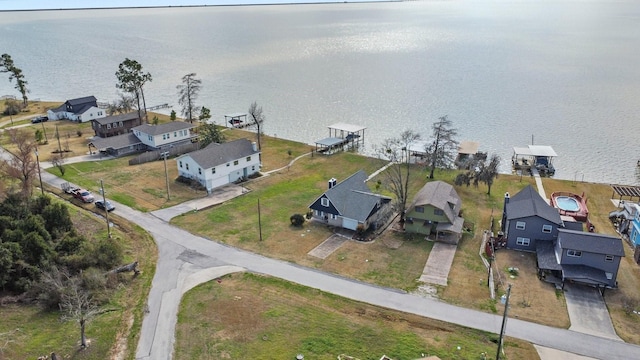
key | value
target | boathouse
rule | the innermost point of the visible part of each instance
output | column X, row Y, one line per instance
column 341, row 136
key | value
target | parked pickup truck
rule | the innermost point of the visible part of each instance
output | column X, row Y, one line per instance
column 78, row 193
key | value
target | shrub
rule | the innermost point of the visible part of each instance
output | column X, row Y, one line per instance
column 79, row 133
column 297, row 219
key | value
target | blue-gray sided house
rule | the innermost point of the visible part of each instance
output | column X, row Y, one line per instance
column 528, row 218
column 435, row 211
column 581, row 257
column 351, row 205
column 220, row 164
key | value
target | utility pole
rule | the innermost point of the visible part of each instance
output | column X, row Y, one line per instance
column 46, row 140
column 106, row 211
column 166, row 173
column 259, row 220
column 504, row 323
column 39, row 173
column 58, row 137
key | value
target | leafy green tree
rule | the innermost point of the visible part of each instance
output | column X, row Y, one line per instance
column 173, row 115
column 7, row 66
column 209, row 133
column 488, row 172
column 205, row 114
column 442, row 150
column 132, row 79
column 57, row 220
column 188, row 93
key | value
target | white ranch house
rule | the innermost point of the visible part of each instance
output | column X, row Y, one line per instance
column 160, row 136
column 220, row 164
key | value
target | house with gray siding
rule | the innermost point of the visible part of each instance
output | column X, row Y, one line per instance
column 351, row 205
column 435, row 212
column 527, row 219
column 581, row 257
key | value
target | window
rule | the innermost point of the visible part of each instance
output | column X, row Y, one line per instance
column 324, row 202
column 213, row 170
column 523, row 241
column 608, row 258
column 235, row 162
column 253, row 168
column 108, row 126
column 99, row 113
column 438, row 212
column 121, row 124
column 150, row 137
column 187, row 165
column 521, row 225
column 199, row 171
column 546, row 228
column 175, row 134
column 228, row 164
column 180, row 164
column 574, row 253
column 420, row 209
column 248, row 158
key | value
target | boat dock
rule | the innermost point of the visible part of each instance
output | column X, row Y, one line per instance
column 341, row 136
column 238, row 121
column 538, row 157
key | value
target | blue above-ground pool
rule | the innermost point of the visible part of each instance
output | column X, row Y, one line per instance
column 567, row 203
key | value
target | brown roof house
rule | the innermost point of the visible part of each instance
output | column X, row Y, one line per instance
column 435, row 213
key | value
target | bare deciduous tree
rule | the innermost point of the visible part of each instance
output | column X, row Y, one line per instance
column 58, row 162
column 258, row 118
column 442, row 151
column 397, row 175
column 22, row 165
column 188, row 93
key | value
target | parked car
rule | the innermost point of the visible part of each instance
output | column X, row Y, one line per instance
column 39, row 119
column 105, row 205
column 84, row 195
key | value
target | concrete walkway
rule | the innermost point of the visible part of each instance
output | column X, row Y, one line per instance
column 436, row 271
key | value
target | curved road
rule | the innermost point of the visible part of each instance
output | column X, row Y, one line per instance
column 185, row 260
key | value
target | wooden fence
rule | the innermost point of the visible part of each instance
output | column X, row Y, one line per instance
column 158, row 154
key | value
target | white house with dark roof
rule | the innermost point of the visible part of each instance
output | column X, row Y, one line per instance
column 350, row 204
column 81, row 109
column 220, row 164
column 163, row 135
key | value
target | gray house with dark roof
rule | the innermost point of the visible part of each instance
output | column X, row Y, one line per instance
column 220, row 164
column 435, row 211
column 581, row 257
column 351, row 205
column 527, row 219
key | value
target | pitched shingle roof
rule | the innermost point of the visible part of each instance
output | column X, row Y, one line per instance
column 217, row 154
column 163, row 128
column 590, row 242
column 117, row 118
column 115, row 142
column 82, row 100
column 527, row 203
column 352, row 198
column 440, row 195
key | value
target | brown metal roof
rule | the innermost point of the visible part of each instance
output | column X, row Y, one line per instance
column 624, row 190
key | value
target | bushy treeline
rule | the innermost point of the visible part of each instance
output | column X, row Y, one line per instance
column 37, row 235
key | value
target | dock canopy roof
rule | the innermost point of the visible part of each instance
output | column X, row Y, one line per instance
column 330, row 141
column 235, row 115
column 535, row 150
column 468, row 147
column 347, row 127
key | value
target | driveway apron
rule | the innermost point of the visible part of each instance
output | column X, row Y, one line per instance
column 588, row 312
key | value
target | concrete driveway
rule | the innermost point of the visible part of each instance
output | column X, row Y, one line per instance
column 588, row 312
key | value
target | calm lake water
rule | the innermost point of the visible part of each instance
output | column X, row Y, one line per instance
column 564, row 73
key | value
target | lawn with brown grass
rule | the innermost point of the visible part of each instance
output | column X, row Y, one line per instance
column 246, row 316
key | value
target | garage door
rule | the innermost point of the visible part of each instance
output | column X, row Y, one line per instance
column 349, row 224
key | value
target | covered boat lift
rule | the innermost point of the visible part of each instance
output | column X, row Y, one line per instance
column 236, row 120
column 341, row 135
column 538, row 157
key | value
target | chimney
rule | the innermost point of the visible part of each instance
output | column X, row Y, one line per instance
column 254, row 146
column 503, row 223
column 332, row 182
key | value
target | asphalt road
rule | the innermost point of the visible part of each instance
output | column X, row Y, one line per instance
column 185, row 259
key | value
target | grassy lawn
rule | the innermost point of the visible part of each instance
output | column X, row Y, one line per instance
column 24, row 117
column 30, row 332
column 247, row 316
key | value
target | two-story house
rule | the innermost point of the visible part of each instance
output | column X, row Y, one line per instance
column 115, row 124
column 527, row 219
column 435, row 211
column 220, row 164
column 81, row 109
column 351, row 205
column 581, row 257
